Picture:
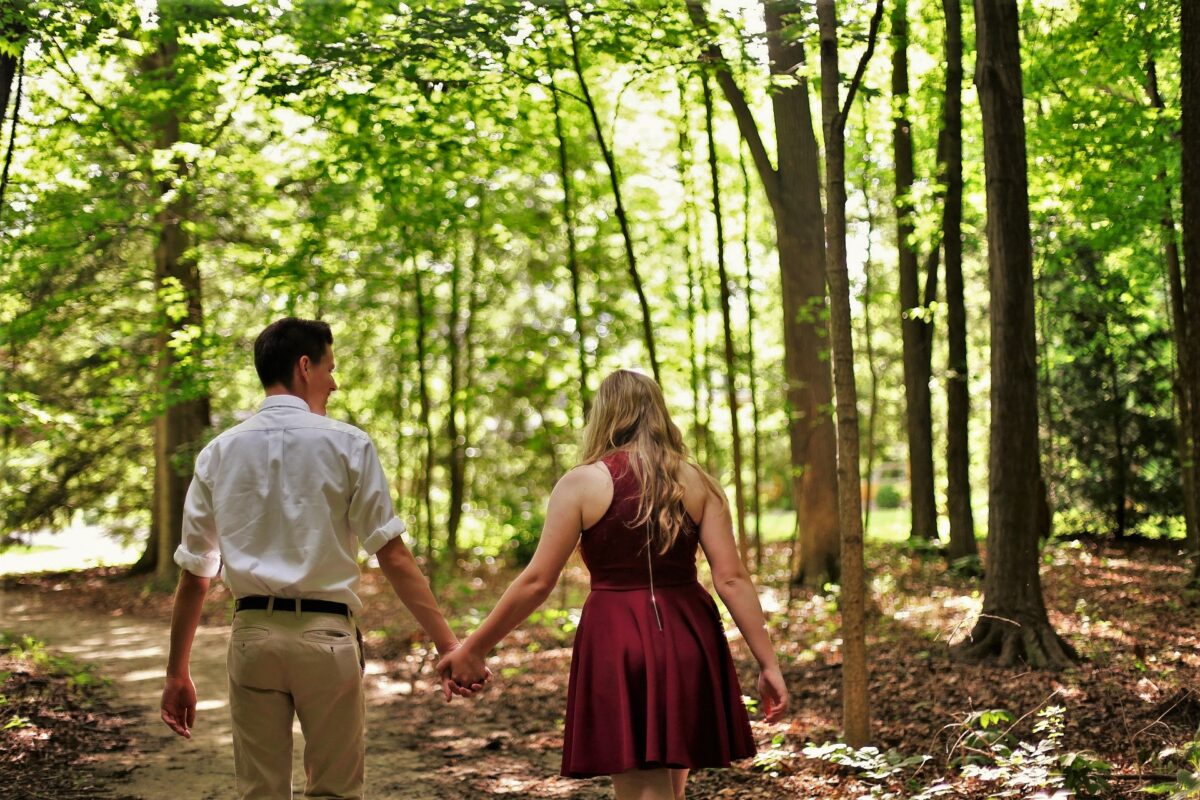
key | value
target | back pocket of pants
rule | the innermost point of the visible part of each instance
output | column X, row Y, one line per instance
column 329, row 636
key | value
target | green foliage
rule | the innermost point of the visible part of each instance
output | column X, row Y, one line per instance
column 888, row 496
column 33, row 652
column 1187, row 775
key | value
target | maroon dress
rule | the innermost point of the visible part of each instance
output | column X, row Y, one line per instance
column 650, row 688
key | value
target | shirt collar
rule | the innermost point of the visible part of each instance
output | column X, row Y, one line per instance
column 285, row 401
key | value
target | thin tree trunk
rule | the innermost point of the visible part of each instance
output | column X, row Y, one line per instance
column 731, row 370
column 958, row 399
column 699, row 428
column 181, row 422
column 869, row 340
column 913, row 320
column 794, row 192
column 568, row 212
column 426, row 427
column 1190, row 108
column 622, row 218
column 456, row 467
column 751, row 369
column 9, row 66
column 856, row 720
column 1013, row 626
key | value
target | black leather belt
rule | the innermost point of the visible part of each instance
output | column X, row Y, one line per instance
column 289, row 604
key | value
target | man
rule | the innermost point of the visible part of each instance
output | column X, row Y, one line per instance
column 279, row 505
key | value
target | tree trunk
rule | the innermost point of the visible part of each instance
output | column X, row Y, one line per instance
column 568, row 211
column 457, row 464
column 622, row 218
column 958, row 399
column 1190, row 102
column 1013, row 626
column 731, row 370
column 855, row 674
column 1183, row 383
column 869, row 340
column 794, row 191
column 10, row 68
column 699, row 426
column 914, row 322
column 426, row 426
column 183, row 416
column 751, row 370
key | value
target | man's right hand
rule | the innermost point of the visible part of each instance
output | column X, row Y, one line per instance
column 179, row 705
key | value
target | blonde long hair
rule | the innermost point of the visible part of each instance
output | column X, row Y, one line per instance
column 629, row 413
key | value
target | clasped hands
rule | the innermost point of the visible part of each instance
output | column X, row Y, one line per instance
column 462, row 671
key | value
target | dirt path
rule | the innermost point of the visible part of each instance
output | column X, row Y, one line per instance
column 132, row 653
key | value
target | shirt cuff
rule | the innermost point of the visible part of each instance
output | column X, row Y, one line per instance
column 373, row 543
column 200, row 566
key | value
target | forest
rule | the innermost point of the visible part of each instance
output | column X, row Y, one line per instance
column 919, row 279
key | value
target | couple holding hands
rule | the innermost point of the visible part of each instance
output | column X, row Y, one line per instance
column 280, row 504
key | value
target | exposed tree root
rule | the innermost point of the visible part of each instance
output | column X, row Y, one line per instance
column 1013, row 642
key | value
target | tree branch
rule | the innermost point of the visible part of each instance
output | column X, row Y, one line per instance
column 737, row 101
column 856, row 81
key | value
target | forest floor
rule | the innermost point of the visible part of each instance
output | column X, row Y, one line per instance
column 1133, row 702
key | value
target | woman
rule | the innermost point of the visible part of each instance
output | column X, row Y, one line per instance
column 653, row 692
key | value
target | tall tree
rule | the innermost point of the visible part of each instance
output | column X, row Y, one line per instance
column 751, row 367
column 731, row 370
column 183, row 413
column 1014, row 625
column 958, row 399
column 915, row 324
column 793, row 190
column 568, row 214
column 856, row 719
column 1190, row 107
column 614, row 180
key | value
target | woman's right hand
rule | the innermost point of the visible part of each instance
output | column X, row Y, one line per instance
column 773, row 693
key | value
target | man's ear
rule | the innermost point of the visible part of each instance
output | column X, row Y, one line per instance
column 303, row 366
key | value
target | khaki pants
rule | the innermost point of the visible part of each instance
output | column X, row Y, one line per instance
column 281, row 663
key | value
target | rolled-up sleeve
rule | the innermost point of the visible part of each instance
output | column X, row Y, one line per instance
column 199, row 551
column 372, row 517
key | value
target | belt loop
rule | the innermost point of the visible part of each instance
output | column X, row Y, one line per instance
column 270, row 605
column 299, row 602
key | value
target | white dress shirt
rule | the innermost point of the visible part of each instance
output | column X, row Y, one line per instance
column 284, row 499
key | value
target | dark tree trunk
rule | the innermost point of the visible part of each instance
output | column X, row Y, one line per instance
column 426, row 425
column 1190, row 108
column 794, row 191
column 856, row 718
column 1013, row 626
column 751, row 369
column 183, row 415
column 622, row 217
column 958, row 399
column 568, row 211
column 914, row 323
column 731, row 371
column 12, row 70
column 1183, row 382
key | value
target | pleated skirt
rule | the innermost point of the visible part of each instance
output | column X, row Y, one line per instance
column 644, row 698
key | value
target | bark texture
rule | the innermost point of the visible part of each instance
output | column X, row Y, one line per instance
column 794, row 192
column 184, row 413
column 914, row 326
column 1190, row 108
column 856, row 718
column 1013, row 626
column 958, row 399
